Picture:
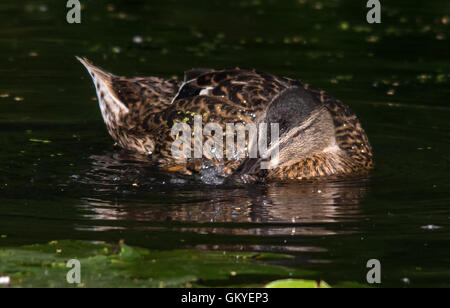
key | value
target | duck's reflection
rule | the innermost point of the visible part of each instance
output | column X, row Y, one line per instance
column 125, row 190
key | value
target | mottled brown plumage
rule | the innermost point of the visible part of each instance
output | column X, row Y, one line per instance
column 319, row 136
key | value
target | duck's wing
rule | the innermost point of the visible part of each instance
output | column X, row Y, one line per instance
column 244, row 89
column 211, row 109
column 226, row 96
column 145, row 95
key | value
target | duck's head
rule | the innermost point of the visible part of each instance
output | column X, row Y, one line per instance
column 306, row 128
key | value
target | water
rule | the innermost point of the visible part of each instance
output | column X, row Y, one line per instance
column 62, row 178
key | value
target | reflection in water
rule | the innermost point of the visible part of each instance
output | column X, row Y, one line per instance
column 127, row 189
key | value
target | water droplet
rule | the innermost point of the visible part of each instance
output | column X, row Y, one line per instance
column 138, row 39
column 431, row 227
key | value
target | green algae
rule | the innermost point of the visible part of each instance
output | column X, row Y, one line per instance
column 105, row 265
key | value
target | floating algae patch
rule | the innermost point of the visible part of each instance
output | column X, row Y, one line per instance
column 104, row 265
column 40, row 141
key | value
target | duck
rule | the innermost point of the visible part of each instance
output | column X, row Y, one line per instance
column 319, row 136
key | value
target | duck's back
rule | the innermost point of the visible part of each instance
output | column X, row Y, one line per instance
column 249, row 90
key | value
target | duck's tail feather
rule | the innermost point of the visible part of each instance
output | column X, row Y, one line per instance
column 105, row 90
column 95, row 71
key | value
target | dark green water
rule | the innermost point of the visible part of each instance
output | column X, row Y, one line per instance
column 61, row 177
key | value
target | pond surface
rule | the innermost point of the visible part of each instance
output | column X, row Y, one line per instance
column 61, row 178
